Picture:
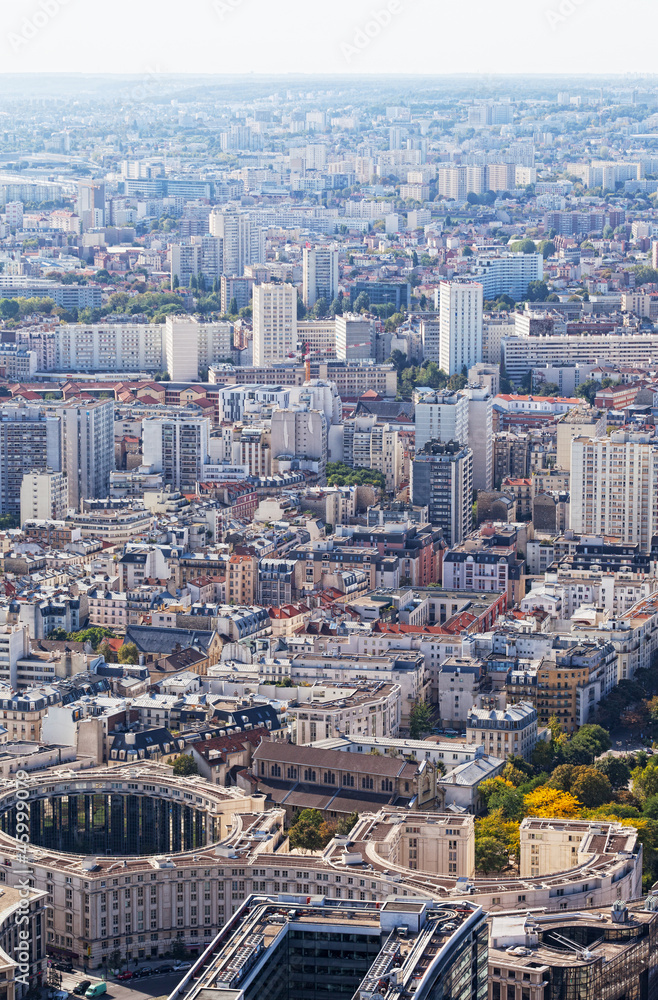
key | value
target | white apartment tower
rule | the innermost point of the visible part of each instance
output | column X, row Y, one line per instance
column 480, row 434
column 320, row 275
column 176, row 447
column 614, row 487
column 460, row 316
column 181, row 348
column 275, row 323
column 44, row 495
column 185, row 263
column 441, row 416
column 243, row 241
column 14, row 214
column 190, row 346
column 87, row 447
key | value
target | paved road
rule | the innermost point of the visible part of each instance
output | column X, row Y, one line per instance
column 149, row 988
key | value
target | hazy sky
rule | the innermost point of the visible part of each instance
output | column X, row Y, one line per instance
column 283, row 36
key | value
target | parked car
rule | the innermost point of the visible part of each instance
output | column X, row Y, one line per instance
column 62, row 966
column 163, row 970
column 125, row 975
column 182, row 966
column 82, row 987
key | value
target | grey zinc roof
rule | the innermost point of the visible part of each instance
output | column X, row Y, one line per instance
column 150, row 639
column 337, row 760
column 474, row 771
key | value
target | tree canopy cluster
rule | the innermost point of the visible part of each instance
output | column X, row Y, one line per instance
column 339, row 474
column 310, row 832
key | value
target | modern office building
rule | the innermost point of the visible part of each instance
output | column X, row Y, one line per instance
column 591, row 954
column 320, row 275
column 296, row 947
column 461, row 325
column 382, row 293
column 442, row 479
column 355, row 337
column 194, row 853
column 275, row 323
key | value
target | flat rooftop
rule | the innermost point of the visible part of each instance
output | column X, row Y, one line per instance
column 402, row 938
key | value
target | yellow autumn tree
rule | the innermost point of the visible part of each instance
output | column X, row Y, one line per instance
column 551, row 802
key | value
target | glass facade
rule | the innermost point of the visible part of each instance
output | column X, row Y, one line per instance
column 114, row 824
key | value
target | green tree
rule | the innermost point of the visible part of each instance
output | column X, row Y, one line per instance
column 420, row 720
column 306, row 832
column 179, row 951
column 115, row 959
column 346, row 824
column 106, row 651
column 588, row 390
column 524, row 246
column 491, row 855
column 591, row 787
column 94, row 635
column 9, row 308
column 185, row 764
column 543, row 755
column 128, row 653
column 233, row 307
column 615, row 769
column 562, row 777
column 537, row 291
column 588, row 743
column 650, row 807
column 362, row 302
column 645, row 781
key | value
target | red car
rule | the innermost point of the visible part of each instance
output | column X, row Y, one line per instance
column 125, row 975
